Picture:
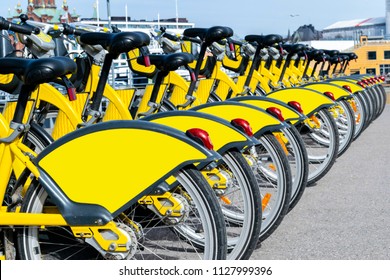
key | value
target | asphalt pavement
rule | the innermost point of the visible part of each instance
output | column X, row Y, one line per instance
column 346, row 215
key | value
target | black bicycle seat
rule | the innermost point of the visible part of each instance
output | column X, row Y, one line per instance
column 168, row 62
column 332, row 52
column 312, row 54
column 264, row 41
column 209, row 35
column 294, row 48
column 116, row 43
column 37, row 71
column 350, row 55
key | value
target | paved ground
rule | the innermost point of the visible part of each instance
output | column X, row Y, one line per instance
column 347, row 214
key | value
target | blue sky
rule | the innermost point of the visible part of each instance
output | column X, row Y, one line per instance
column 243, row 16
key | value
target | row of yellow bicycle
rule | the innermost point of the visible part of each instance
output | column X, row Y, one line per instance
column 203, row 165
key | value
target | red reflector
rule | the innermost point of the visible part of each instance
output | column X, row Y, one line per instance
column 146, row 60
column 201, row 137
column 360, row 83
column 276, row 113
column 329, row 94
column 231, row 47
column 71, row 93
column 296, row 105
column 347, row 87
column 193, row 77
column 243, row 125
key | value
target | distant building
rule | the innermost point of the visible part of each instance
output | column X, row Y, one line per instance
column 373, row 57
column 369, row 38
column 45, row 11
column 306, row 33
column 353, row 29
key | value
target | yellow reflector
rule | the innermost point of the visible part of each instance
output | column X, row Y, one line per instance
column 353, row 105
column 282, row 143
column 358, row 118
column 265, row 200
column 226, row 200
column 315, row 120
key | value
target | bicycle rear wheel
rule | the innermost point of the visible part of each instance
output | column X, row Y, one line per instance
column 321, row 142
column 273, row 174
column 156, row 236
column 241, row 206
column 345, row 122
column 298, row 162
column 360, row 113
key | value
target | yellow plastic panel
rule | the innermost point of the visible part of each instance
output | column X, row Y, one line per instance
column 264, row 104
column 219, row 133
column 111, row 167
column 256, row 118
column 354, row 87
column 310, row 100
column 338, row 91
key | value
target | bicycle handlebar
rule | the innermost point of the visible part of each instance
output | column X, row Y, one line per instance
column 23, row 29
column 69, row 30
column 191, row 39
column 171, row 37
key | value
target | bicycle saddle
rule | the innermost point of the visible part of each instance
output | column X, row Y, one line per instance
column 264, row 41
column 331, row 52
column 334, row 59
column 350, row 55
column 312, row 54
column 344, row 57
column 169, row 62
column 37, row 71
column 116, row 43
column 209, row 35
column 294, row 48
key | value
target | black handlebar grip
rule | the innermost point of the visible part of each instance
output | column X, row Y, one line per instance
column 23, row 29
column 171, row 37
column 191, row 39
column 69, row 30
column 79, row 32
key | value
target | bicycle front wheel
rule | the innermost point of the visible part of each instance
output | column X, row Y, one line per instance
column 345, row 122
column 241, row 205
column 274, row 179
column 322, row 144
column 155, row 236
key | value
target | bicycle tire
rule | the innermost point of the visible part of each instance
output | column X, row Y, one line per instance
column 383, row 97
column 368, row 99
column 299, row 164
column 345, row 122
column 243, row 211
column 37, row 138
column 321, row 145
column 360, row 115
column 274, row 179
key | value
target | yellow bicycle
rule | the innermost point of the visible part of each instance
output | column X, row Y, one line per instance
column 90, row 195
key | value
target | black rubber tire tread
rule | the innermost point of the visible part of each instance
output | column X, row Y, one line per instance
column 358, row 98
column 350, row 115
column 271, row 140
column 295, row 197
column 325, row 114
column 255, row 198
